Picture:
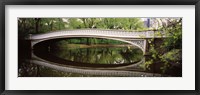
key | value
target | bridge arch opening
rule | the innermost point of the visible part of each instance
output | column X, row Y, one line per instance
column 43, row 45
column 131, row 42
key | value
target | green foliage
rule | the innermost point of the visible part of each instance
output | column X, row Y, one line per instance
column 172, row 45
column 42, row 25
column 147, row 64
column 39, row 25
column 167, row 53
column 173, row 55
column 75, row 23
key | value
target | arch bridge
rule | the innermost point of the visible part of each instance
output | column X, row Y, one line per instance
column 138, row 39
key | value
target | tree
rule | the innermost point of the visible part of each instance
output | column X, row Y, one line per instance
column 170, row 51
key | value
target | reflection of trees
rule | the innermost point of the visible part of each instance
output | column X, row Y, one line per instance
column 116, row 55
column 32, row 70
column 131, row 55
column 28, row 69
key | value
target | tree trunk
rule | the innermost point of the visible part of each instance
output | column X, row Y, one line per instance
column 52, row 26
column 59, row 24
column 37, row 25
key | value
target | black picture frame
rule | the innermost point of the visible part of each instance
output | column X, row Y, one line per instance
column 3, row 3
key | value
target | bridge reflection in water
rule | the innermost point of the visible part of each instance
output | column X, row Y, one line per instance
column 127, row 70
column 43, row 57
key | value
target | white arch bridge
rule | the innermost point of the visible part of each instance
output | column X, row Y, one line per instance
column 138, row 39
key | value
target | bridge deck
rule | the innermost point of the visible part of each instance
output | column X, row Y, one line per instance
column 97, row 33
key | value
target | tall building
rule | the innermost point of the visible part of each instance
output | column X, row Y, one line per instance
column 156, row 23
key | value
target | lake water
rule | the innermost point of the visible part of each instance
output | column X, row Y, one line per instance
column 83, row 60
